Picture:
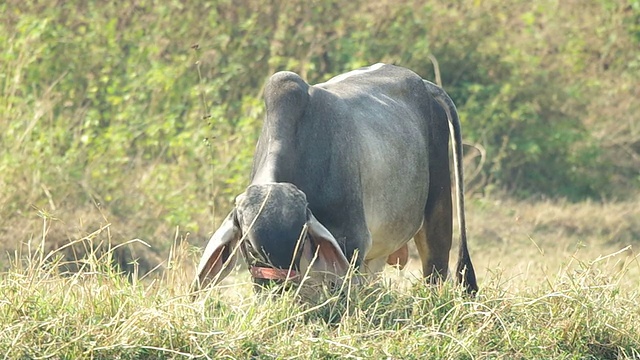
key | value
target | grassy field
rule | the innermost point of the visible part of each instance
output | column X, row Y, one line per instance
column 557, row 281
column 128, row 128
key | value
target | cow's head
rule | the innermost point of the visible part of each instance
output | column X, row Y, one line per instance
column 278, row 236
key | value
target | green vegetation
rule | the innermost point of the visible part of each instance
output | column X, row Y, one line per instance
column 138, row 120
column 102, row 110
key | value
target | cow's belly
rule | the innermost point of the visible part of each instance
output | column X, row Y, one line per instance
column 395, row 188
column 388, row 235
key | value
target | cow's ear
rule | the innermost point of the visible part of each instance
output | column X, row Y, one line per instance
column 220, row 255
column 321, row 251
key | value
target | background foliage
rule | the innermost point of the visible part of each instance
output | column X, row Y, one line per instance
column 102, row 118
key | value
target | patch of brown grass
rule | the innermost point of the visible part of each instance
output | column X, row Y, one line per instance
column 535, row 240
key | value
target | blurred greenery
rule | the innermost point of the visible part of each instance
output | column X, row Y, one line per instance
column 102, row 107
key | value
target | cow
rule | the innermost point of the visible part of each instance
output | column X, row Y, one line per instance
column 345, row 174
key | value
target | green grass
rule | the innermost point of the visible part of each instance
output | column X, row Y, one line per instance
column 586, row 310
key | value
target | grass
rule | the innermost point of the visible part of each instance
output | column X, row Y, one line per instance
column 584, row 304
column 103, row 135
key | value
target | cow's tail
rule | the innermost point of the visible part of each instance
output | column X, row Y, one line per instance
column 464, row 270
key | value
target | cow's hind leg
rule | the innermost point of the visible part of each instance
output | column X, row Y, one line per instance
column 433, row 240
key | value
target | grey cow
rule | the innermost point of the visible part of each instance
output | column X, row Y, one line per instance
column 352, row 168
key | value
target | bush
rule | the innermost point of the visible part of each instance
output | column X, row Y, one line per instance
column 111, row 106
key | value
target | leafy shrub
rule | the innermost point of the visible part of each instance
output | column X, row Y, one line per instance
column 112, row 104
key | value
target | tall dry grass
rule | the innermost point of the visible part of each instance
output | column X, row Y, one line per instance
column 567, row 294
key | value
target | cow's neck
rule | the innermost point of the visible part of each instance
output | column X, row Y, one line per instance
column 279, row 161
